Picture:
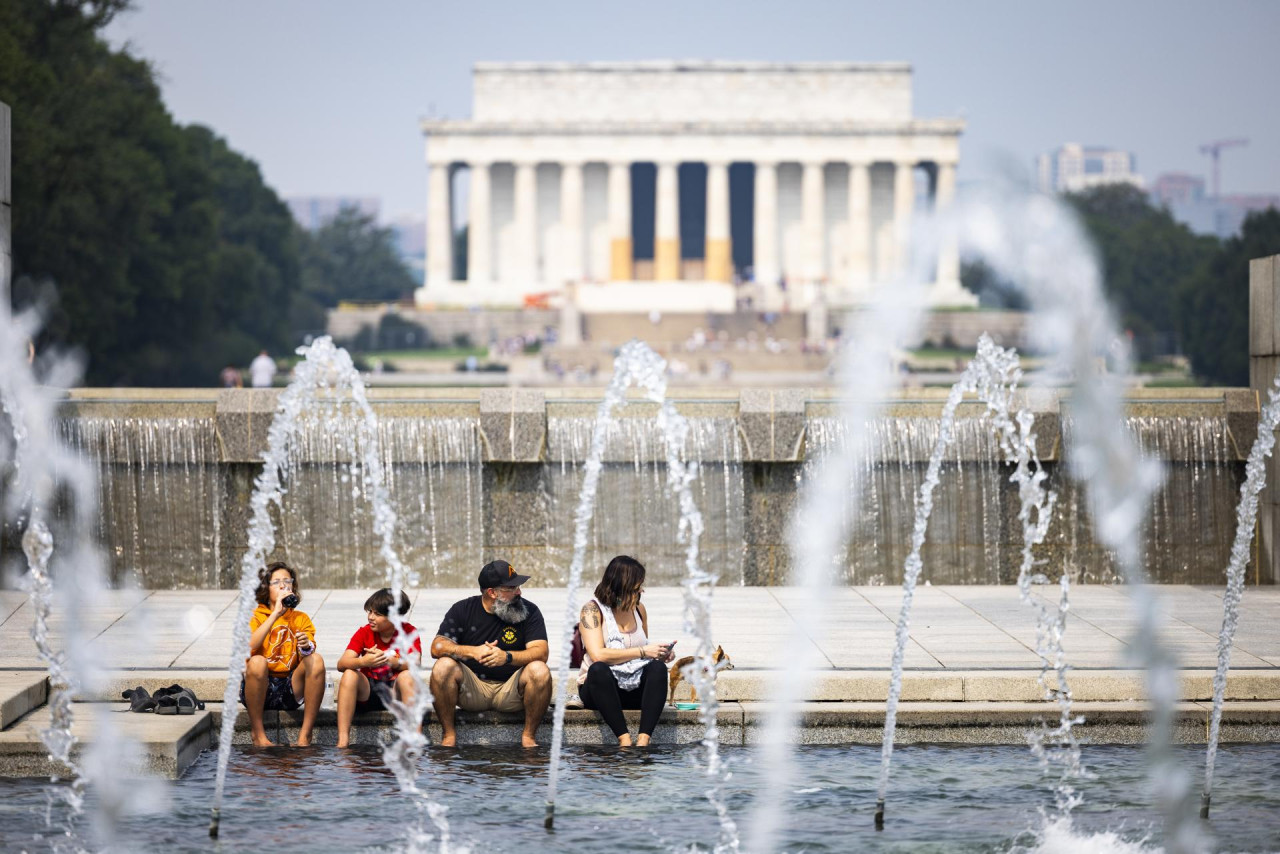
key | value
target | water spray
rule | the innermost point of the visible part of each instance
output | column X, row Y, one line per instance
column 1246, row 520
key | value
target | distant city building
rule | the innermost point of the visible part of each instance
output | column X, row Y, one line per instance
column 1184, row 196
column 312, row 212
column 1177, row 188
column 1074, row 167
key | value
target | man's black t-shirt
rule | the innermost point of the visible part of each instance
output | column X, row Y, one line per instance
column 469, row 624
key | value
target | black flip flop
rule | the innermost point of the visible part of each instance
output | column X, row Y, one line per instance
column 139, row 700
column 167, row 705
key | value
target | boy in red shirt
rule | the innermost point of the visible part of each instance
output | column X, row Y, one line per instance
column 370, row 665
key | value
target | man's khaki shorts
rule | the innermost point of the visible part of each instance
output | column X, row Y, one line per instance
column 478, row 695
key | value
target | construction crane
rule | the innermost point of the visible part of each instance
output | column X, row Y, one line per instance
column 1214, row 149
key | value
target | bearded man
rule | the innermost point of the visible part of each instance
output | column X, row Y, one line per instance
column 491, row 653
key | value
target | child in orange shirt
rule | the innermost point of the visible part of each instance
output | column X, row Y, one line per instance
column 371, row 665
column 283, row 662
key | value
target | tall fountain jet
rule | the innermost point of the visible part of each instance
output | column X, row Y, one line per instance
column 1035, row 241
column 637, row 364
column 325, row 385
column 993, row 376
column 1246, row 520
column 52, row 496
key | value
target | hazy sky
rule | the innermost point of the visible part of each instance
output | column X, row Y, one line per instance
column 326, row 96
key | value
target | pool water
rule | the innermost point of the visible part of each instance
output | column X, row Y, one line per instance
column 942, row 799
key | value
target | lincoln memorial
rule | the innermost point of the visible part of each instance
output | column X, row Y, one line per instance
column 685, row 185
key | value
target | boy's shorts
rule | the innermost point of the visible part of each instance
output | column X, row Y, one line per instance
column 380, row 694
column 479, row 695
column 279, row 694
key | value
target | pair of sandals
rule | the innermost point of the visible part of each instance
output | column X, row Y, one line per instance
column 174, row 700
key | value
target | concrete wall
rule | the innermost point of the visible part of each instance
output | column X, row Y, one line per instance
column 6, row 205
column 1264, row 366
column 692, row 92
column 476, row 475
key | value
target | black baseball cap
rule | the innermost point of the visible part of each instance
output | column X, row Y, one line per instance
column 499, row 573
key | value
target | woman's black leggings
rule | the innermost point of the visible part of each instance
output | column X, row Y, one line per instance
column 600, row 692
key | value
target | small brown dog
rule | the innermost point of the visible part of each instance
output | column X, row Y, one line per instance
column 720, row 661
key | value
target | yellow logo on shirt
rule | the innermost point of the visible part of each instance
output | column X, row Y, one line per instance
column 508, row 635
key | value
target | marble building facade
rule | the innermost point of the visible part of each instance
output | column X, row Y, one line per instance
column 819, row 169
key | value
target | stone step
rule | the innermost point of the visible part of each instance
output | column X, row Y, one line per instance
column 825, row 686
column 20, row 692
column 169, row 744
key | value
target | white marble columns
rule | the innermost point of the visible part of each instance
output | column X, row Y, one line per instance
column 439, row 225
column 479, row 227
column 874, row 225
column 718, row 252
column 619, row 191
column 666, row 240
column 571, row 223
column 859, row 225
column 524, row 263
column 812, row 212
column 904, row 200
column 948, row 255
column 765, row 226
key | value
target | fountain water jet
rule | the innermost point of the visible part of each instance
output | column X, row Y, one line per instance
column 822, row 522
column 1246, row 520
column 993, row 376
column 323, row 382
column 1035, row 241
column 637, row 364
column 51, row 489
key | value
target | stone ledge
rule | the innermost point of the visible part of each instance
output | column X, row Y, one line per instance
column 168, row 743
column 958, row 686
column 20, row 693
column 171, row 743
column 513, row 424
column 772, row 423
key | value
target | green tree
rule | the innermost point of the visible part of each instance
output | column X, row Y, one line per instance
column 1147, row 256
column 352, row 258
column 168, row 256
column 1215, row 303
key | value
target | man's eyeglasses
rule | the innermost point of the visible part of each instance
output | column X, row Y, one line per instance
column 282, row 582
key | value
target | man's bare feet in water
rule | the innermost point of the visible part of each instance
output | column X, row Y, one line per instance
column 263, row 741
column 303, row 742
column 527, row 740
column 450, row 740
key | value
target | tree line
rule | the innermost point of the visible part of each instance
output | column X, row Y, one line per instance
column 1174, row 291
column 153, row 247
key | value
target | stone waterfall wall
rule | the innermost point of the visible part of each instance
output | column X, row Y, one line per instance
column 495, row 473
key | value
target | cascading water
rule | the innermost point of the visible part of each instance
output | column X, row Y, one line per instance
column 324, row 384
column 1035, row 241
column 53, row 493
column 635, row 504
column 638, row 365
column 992, row 376
column 1246, row 519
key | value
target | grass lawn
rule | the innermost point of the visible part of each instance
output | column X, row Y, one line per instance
column 942, row 353
column 441, row 353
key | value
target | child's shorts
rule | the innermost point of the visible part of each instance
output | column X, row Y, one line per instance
column 380, row 694
column 279, row 694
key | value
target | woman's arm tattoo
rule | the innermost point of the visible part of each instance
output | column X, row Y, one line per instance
column 591, row 615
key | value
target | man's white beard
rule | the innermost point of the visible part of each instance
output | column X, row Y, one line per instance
column 510, row 612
